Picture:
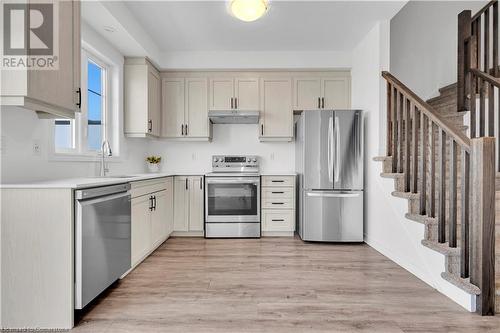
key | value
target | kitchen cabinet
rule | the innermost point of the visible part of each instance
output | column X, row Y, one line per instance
column 276, row 121
column 188, row 206
column 185, row 108
column 278, row 205
column 152, row 216
column 230, row 93
column 52, row 93
column 313, row 93
column 142, row 98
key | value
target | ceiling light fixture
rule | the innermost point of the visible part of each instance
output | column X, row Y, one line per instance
column 249, row 10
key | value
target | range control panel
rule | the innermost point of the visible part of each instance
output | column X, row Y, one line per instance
column 233, row 163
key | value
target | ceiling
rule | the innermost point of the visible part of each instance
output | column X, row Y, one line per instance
column 194, row 26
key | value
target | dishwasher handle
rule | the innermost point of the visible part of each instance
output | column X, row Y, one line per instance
column 95, row 192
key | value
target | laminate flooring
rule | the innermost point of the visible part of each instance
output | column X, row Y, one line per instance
column 274, row 285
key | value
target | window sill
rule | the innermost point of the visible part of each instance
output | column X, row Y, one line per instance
column 68, row 157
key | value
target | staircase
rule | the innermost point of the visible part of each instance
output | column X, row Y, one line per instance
column 446, row 170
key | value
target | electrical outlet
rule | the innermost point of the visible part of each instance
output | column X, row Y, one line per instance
column 37, row 148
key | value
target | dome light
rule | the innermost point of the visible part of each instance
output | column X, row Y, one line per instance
column 249, row 10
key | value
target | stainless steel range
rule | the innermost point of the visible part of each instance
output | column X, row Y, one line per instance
column 232, row 198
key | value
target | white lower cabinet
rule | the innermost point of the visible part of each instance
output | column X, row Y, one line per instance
column 278, row 205
column 152, row 216
column 188, row 206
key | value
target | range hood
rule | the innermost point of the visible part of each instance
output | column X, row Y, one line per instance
column 234, row 117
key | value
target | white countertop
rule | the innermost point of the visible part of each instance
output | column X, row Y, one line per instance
column 85, row 182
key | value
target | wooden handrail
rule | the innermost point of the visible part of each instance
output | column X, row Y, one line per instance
column 482, row 10
column 486, row 77
column 461, row 139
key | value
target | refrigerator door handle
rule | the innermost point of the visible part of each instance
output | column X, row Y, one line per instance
column 337, row 150
column 333, row 195
column 330, row 155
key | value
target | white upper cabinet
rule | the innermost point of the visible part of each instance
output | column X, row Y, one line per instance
column 336, row 93
column 52, row 93
column 246, row 94
column 230, row 93
column 276, row 105
column 172, row 107
column 196, row 110
column 221, row 93
column 185, row 108
column 307, row 93
column 142, row 98
column 313, row 93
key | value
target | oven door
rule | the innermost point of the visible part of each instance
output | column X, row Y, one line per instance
column 232, row 199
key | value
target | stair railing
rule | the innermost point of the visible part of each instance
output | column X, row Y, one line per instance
column 423, row 144
column 478, row 71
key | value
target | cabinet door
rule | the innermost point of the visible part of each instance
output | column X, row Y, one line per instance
column 307, row 93
column 196, row 110
column 169, row 201
column 196, row 217
column 221, row 92
column 336, row 92
column 181, row 204
column 276, row 106
column 246, row 93
column 56, row 87
column 141, row 228
column 154, row 102
column 172, row 107
column 159, row 219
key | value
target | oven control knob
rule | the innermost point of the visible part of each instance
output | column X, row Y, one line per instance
column 248, row 160
column 216, row 160
column 254, row 160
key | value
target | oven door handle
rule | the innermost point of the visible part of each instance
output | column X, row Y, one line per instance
column 232, row 181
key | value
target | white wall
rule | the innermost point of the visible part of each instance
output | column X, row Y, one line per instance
column 424, row 44
column 21, row 128
column 195, row 157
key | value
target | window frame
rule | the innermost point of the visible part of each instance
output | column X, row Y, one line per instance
column 81, row 151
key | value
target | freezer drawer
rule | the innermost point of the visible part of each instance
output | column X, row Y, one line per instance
column 333, row 216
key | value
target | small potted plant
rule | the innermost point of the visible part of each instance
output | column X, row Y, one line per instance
column 153, row 163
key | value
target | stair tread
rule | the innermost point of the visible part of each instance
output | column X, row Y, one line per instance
column 382, row 158
column 424, row 219
column 405, row 195
column 463, row 284
column 442, row 248
column 391, row 175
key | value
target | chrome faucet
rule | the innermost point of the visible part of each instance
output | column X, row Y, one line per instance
column 106, row 151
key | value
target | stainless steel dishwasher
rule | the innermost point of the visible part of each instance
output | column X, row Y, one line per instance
column 102, row 239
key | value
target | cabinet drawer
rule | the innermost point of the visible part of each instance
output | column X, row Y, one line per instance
column 147, row 186
column 277, row 193
column 278, row 220
column 271, row 203
column 278, row 180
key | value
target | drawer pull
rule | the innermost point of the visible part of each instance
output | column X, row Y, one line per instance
column 278, row 192
column 277, row 181
column 278, row 220
column 277, row 203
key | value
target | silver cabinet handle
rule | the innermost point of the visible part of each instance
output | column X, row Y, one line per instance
column 232, row 105
column 201, row 183
column 333, row 195
column 186, row 129
column 319, row 102
column 236, row 102
column 322, row 102
column 330, row 144
column 150, row 125
column 186, row 183
column 182, row 129
column 262, row 129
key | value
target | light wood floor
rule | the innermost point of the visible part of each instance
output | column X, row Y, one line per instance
column 274, row 285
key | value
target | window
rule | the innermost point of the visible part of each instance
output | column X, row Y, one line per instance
column 84, row 134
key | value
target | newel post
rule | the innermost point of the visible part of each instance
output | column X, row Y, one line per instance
column 464, row 33
column 483, row 222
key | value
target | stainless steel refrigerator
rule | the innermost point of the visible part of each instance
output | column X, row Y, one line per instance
column 329, row 164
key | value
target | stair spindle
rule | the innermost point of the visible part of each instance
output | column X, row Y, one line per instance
column 465, row 216
column 442, row 187
column 432, row 198
column 407, row 116
column 452, row 215
column 394, row 106
column 423, row 163
column 414, row 129
column 400, row 133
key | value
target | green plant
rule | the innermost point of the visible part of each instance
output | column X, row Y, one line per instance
column 153, row 159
